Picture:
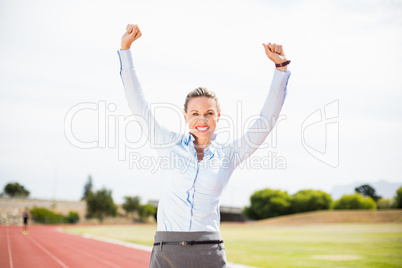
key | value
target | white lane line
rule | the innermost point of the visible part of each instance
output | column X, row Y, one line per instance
column 110, row 240
column 10, row 256
column 95, row 257
column 48, row 253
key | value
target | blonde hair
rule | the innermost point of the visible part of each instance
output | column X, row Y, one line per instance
column 201, row 92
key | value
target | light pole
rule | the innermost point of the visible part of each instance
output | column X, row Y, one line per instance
column 54, row 190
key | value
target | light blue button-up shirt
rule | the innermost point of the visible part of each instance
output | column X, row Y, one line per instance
column 191, row 190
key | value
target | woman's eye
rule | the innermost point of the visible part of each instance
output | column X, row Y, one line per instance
column 195, row 114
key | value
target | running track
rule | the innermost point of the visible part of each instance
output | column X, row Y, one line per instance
column 47, row 247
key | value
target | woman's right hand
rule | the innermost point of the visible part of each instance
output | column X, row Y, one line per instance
column 132, row 33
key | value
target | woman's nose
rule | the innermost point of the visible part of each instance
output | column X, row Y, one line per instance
column 204, row 118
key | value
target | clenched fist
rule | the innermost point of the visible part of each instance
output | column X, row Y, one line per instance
column 132, row 33
column 276, row 54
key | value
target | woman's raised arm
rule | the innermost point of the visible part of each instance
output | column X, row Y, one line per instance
column 248, row 143
column 160, row 135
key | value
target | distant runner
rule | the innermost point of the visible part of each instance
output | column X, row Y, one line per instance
column 25, row 217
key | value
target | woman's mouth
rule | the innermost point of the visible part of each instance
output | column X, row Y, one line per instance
column 202, row 129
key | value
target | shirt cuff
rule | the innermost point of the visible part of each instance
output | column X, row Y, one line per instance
column 126, row 59
column 280, row 78
column 281, row 75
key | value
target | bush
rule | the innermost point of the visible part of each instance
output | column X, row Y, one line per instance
column 268, row 203
column 355, row 201
column 385, row 203
column 398, row 198
column 310, row 200
column 73, row 217
column 45, row 216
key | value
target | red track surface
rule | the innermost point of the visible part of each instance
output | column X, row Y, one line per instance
column 46, row 247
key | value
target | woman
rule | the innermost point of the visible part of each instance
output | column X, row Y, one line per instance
column 188, row 212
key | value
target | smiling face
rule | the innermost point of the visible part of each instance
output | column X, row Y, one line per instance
column 202, row 116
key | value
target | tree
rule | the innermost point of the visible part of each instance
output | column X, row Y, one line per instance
column 146, row 210
column 367, row 190
column 268, row 203
column 398, row 198
column 355, row 201
column 131, row 204
column 16, row 190
column 100, row 205
column 87, row 188
column 310, row 200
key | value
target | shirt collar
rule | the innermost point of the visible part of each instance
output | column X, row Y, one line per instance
column 210, row 150
column 188, row 137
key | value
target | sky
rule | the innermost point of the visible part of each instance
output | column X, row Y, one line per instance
column 63, row 113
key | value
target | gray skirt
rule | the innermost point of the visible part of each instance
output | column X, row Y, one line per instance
column 188, row 256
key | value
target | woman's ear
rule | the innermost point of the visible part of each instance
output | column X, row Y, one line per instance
column 219, row 115
column 185, row 116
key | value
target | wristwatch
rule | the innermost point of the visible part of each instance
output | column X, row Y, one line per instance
column 282, row 64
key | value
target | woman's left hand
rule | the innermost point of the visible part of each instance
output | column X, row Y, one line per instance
column 276, row 54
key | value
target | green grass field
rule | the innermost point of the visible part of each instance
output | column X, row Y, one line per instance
column 323, row 245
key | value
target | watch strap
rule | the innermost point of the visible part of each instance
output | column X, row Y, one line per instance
column 282, row 64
